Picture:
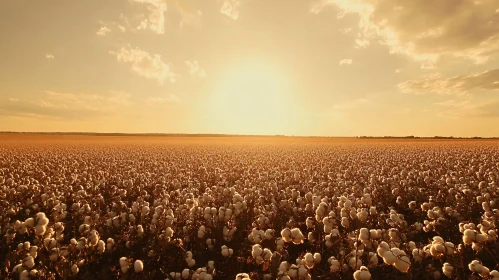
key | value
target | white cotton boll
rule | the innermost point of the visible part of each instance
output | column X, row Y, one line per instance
column 269, row 234
column 24, row 275
column 124, row 262
column 334, row 265
column 402, row 263
column 138, row 266
column 494, row 274
column 256, row 250
column 101, row 246
column 40, row 229
column 302, row 271
column 309, row 260
column 29, row 262
column 267, row 254
column 309, row 222
column 354, row 263
column 29, row 222
column 74, row 269
column 389, row 257
column 317, row 258
column 191, row 262
column 186, row 273
column 345, row 223
column 242, row 276
column 362, row 274
column 447, row 269
column 468, row 236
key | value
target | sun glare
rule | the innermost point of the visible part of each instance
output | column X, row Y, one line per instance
column 253, row 98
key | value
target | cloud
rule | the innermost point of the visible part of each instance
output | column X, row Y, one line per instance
column 346, row 62
column 49, row 56
column 146, row 65
column 102, row 31
column 66, row 105
column 466, row 109
column 189, row 15
column 462, row 84
column 230, row 8
column 426, row 29
column 195, row 69
column 171, row 98
column 156, row 15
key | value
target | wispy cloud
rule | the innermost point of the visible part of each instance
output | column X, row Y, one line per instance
column 171, row 98
column 195, row 69
column 146, row 65
column 426, row 30
column 230, row 8
column 103, row 31
column 156, row 15
column 466, row 109
column 459, row 85
column 49, row 56
column 67, row 105
column 345, row 62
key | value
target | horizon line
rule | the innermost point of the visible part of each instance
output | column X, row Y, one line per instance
column 241, row 135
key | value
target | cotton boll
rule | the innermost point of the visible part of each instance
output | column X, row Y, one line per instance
column 186, row 273
column 402, row 263
column 309, row 260
column 334, row 265
column 362, row 274
column 372, row 259
column 138, row 266
column 241, row 276
column 354, row 263
column 40, row 229
column 74, row 269
column 345, row 223
column 267, row 254
column 317, row 258
column 494, row 274
column 101, row 246
column 29, row 262
column 447, row 269
column 256, row 250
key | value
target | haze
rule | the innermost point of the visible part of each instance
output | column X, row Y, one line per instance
column 296, row 67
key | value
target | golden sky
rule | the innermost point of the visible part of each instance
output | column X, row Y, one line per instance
column 294, row 67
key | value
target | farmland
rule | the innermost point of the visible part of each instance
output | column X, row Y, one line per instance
column 163, row 207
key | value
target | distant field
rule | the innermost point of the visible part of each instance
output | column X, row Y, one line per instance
column 8, row 138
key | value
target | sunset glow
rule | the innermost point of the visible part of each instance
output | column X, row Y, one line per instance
column 309, row 67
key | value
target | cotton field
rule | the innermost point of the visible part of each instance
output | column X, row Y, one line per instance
column 254, row 208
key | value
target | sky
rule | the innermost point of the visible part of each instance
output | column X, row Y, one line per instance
column 292, row 67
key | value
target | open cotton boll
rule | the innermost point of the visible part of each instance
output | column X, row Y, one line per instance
column 494, row 275
column 186, row 274
column 354, row 263
column 29, row 222
column 40, row 229
column 362, row 274
column 345, row 223
column 74, row 269
column 242, row 276
column 256, row 250
column 101, row 246
column 29, row 262
column 309, row 260
column 447, row 269
column 138, row 266
column 402, row 263
column 286, row 234
column 226, row 251
column 334, row 265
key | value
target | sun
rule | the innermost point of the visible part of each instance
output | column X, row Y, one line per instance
column 252, row 98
